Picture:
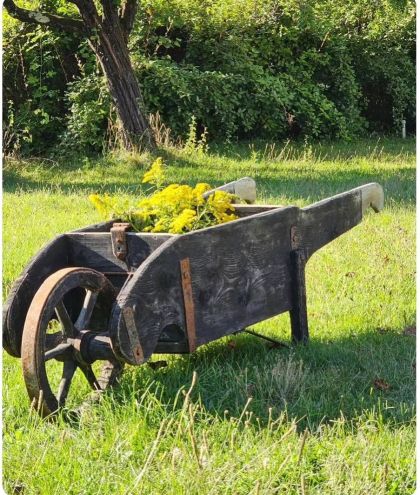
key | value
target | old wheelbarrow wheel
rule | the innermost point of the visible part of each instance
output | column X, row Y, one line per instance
column 53, row 334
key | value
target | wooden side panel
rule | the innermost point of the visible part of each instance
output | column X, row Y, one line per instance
column 49, row 259
column 94, row 250
column 247, row 210
column 240, row 272
column 156, row 303
column 322, row 222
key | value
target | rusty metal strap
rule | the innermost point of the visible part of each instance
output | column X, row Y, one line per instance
column 119, row 239
column 188, row 303
column 133, row 335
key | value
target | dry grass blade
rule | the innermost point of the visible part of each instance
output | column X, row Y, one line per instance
column 302, row 445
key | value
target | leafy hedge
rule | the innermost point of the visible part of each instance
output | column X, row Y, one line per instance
column 230, row 105
column 243, row 68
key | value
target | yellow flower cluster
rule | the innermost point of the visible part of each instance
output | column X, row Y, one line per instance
column 109, row 207
column 156, row 174
column 175, row 209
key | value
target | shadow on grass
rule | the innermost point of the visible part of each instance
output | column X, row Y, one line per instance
column 311, row 183
column 307, row 185
column 385, row 147
column 316, row 384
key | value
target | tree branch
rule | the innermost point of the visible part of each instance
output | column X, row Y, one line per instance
column 43, row 18
column 127, row 16
column 88, row 13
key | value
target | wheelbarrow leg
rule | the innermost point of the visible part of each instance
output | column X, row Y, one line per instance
column 298, row 314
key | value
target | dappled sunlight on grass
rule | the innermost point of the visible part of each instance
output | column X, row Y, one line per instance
column 257, row 416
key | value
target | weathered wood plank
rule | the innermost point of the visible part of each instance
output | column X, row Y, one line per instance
column 247, row 210
column 98, row 227
column 241, row 274
column 322, row 222
column 94, row 250
column 51, row 258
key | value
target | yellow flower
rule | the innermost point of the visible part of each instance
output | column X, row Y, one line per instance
column 161, row 226
column 156, row 173
column 219, row 204
column 183, row 221
column 199, row 190
column 176, row 208
column 221, row 200
column 102, row 204
column 224, row 217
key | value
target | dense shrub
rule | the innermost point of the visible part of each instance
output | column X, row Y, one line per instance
column 231, row 105
column 243, row 68
column 33, row 87
column 89, row 106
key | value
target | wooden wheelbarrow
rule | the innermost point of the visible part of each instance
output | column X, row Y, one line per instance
column 103, row 293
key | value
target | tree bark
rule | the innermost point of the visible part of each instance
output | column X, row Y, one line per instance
column 43, row 18
column 114, row 57
column 107, row 36
column 109, row 42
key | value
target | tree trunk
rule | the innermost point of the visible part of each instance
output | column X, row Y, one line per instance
column 108, row 37
column 114, row 57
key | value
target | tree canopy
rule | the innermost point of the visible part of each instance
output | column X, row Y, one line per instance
column 242, row 68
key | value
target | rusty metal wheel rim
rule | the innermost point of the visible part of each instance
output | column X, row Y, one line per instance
column 38, row 348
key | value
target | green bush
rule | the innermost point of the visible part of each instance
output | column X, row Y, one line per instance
column 238, row 106
column 244, row 68
column 89, row 107
column 33, row 89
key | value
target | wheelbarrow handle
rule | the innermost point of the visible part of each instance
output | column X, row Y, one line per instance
column 325, row 220
column 244, row 188
column 372, row 196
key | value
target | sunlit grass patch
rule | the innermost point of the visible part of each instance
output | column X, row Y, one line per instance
column 258, row 420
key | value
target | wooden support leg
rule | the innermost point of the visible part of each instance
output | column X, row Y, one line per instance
column 298, row 314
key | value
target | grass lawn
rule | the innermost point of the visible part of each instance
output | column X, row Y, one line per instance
column 333, row 417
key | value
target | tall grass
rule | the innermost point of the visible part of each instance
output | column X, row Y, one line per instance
column 237, row 416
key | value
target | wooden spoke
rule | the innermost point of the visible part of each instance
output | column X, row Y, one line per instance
column 87, row 310
column 90, row 376
column 63, row 389
column 59, row 351
column 53, row 340
column 65, row 320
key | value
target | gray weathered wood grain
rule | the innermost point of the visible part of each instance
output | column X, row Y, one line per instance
column 242, row 272
column 240, row 275
column 94, row 250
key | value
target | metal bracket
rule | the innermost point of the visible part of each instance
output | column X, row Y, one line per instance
column 119, row 239
column 188, row 303
column 275, row 342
